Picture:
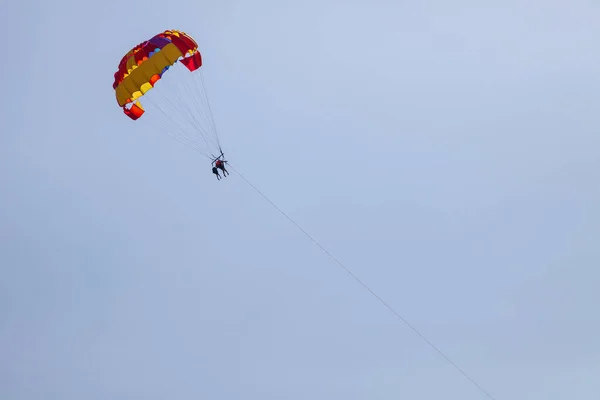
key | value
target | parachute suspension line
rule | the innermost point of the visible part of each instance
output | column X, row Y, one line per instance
column 176, row 108
column 196, row 130
column 189, row 106
column 212, row 118
column 196, row 127
column 180, row 131
column 185, row 102
column 365, row 286
column 174, row 121
column 177, row 102
column 202, row 107
column 199, row 126
column 210, row 112
column 189, row 145
column 178, row 134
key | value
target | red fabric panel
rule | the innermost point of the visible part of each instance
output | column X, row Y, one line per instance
column 191, row 43
column 181, row 44
column 134, row 112
column 192, row 63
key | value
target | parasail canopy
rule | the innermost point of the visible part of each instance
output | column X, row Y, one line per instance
column 188, row 117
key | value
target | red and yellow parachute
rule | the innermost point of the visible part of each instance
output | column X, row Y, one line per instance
column 143, row 67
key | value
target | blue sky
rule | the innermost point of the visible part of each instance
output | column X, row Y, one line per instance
column 446, row 152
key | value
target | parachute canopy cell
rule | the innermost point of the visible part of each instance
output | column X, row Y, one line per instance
column 145, row 64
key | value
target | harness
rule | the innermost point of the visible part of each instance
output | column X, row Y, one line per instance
column 215, row 159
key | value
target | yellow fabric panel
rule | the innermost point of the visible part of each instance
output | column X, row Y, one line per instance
column 145, row 87
column 141, row 74
column 171, row 53
column 133, row 86
column 136, row 95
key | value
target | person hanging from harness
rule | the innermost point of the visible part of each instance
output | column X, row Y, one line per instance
column 220, row 165
column 216, row 172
